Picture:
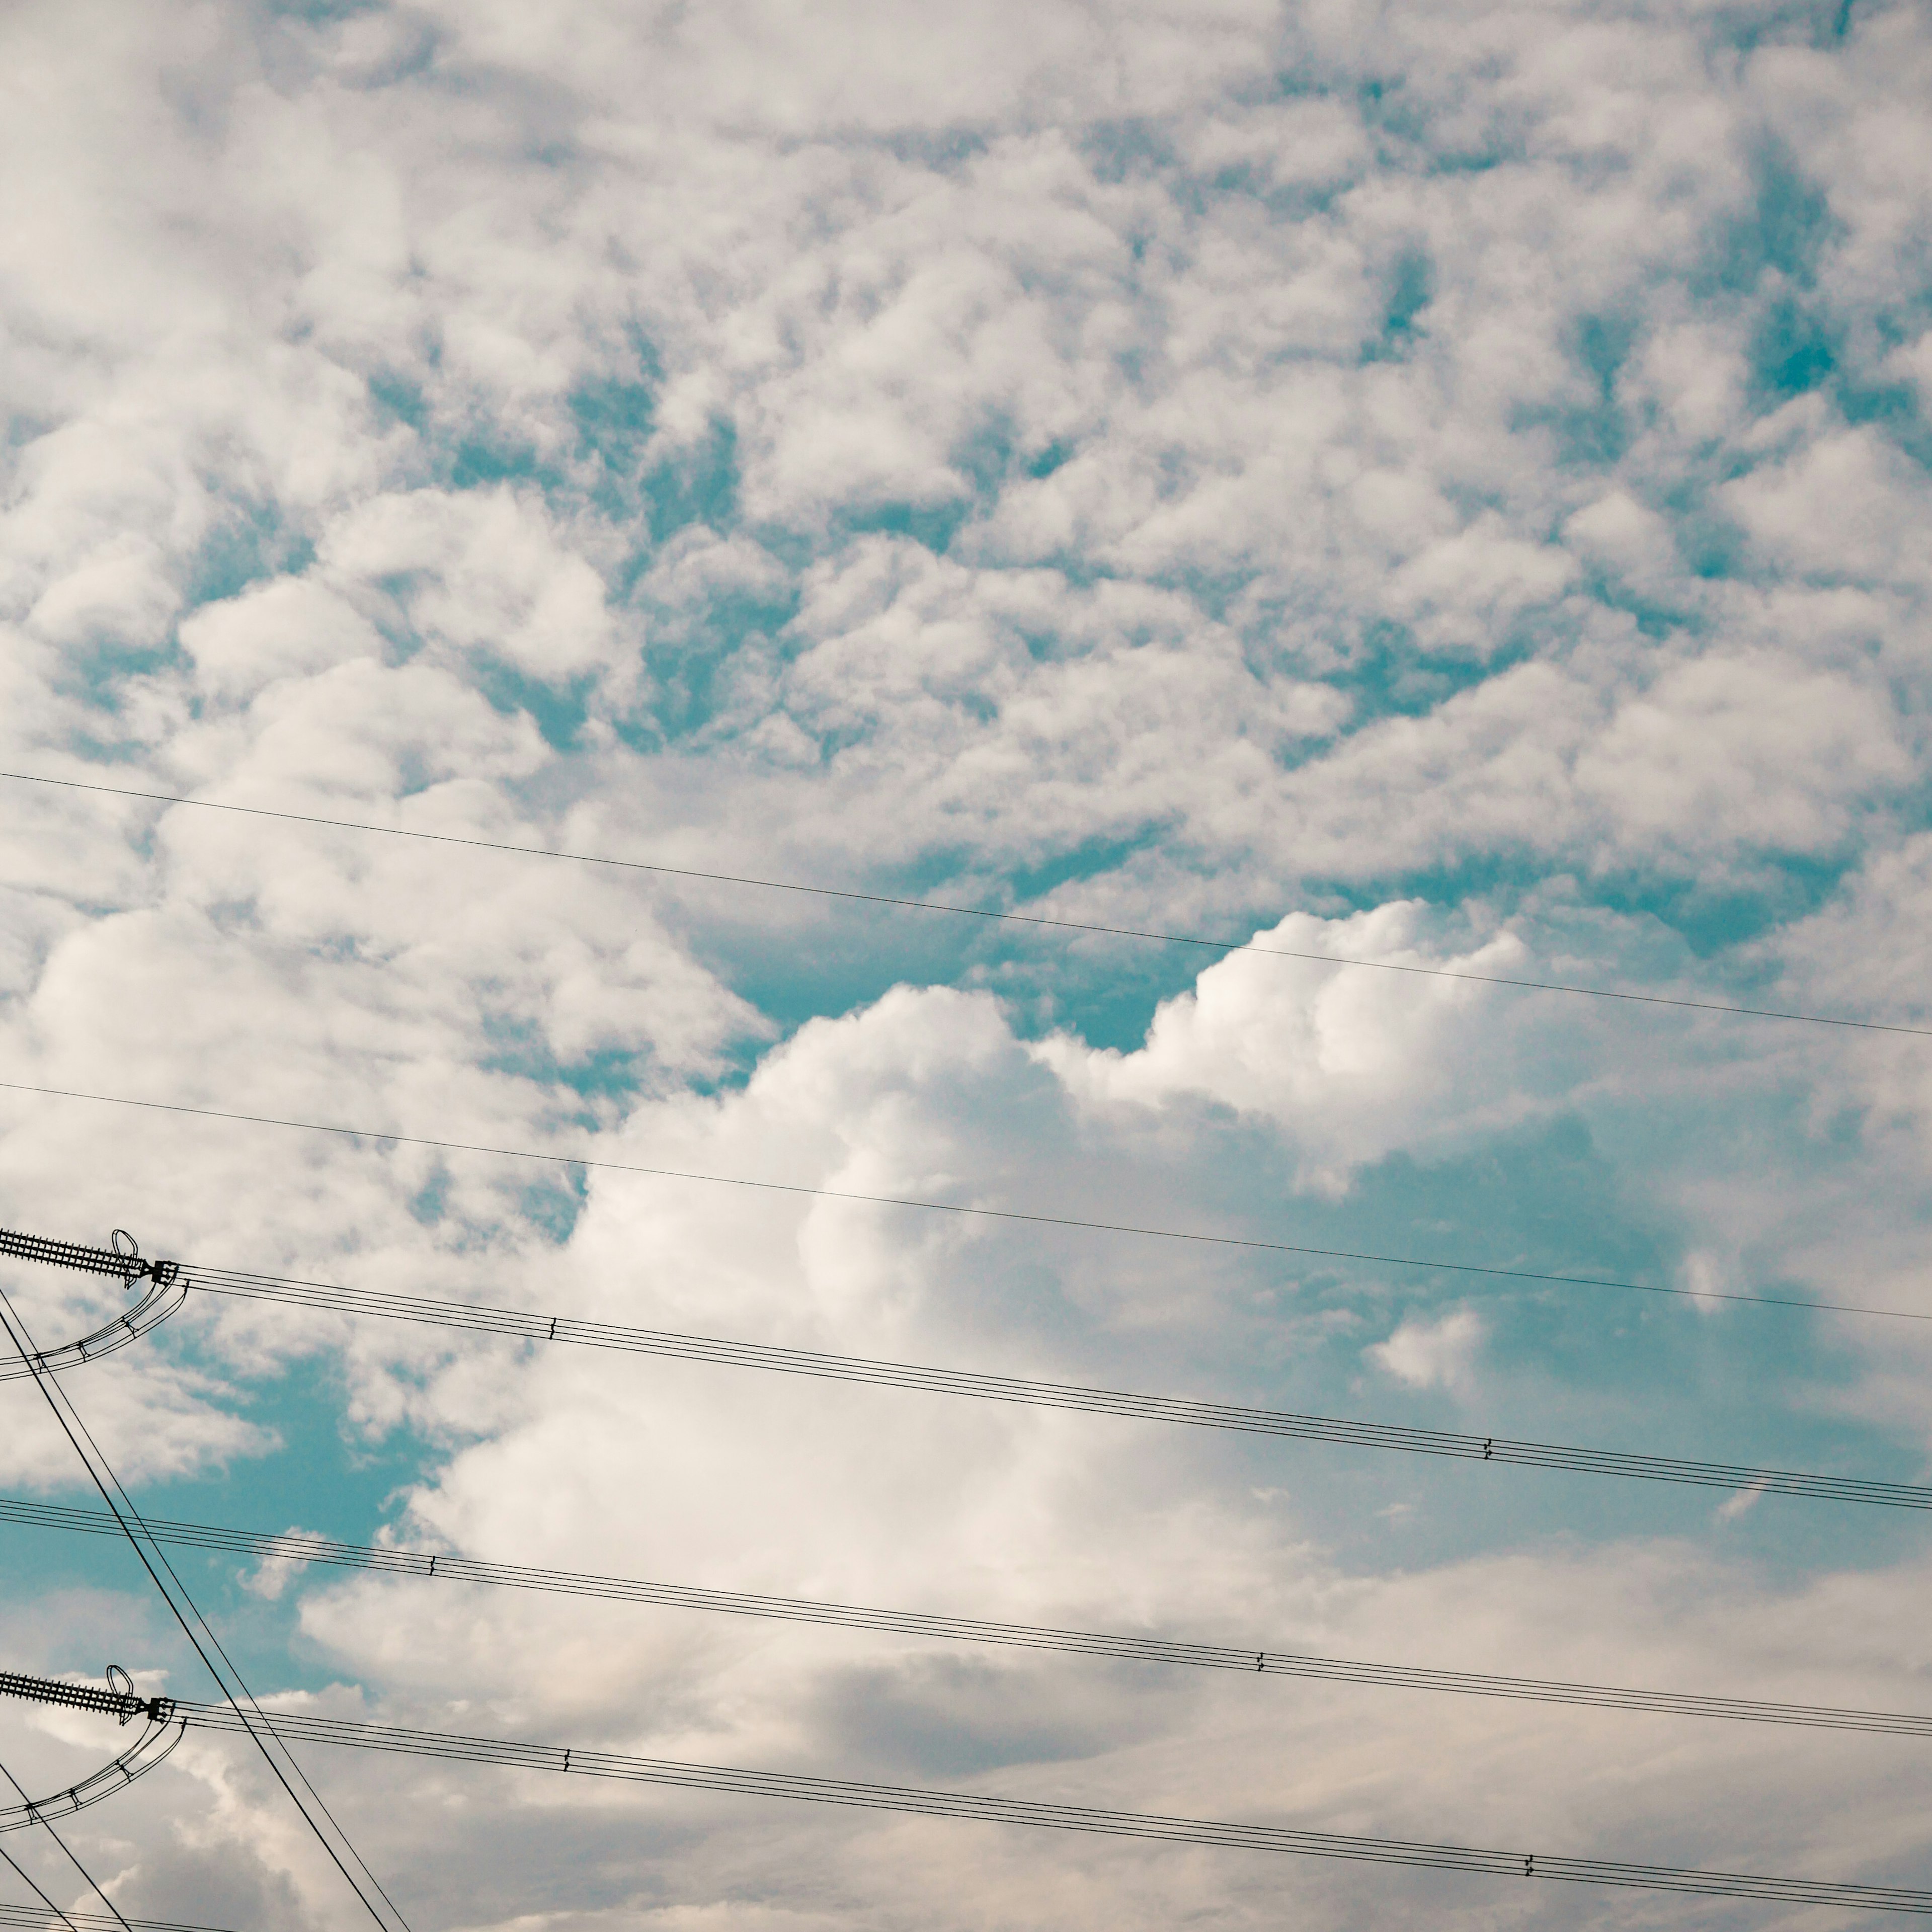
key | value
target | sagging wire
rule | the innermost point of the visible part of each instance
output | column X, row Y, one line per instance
column 445, row 1566
column 1458, row 1445
column 92, row 1922
column 978, row 1808
column 449, row 1747
column 1251, row 946
column 1241, row 1243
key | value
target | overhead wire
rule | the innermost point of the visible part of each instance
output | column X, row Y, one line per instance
column 334, row 1841
column 26, row 1878
column 574, row 1761
column 93, row 1922
column 1201, row 942
column 1457, row 1444
column 395, row 1560
column 1058, row 1395
column 1238, row 1242
column 47, row 1826
column 924, row 1802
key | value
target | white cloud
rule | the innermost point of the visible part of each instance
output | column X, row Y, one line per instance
column 1172, row 466
column 1738, row 749
column 1464, row 593
column 482, row 572
column 1698, row 375
column 1344, row 1062
column 1440, row 1353
column 1844, row 505
column 1618, row 530
column 1740, row 1503
column 1913, row 360
column 282, row 629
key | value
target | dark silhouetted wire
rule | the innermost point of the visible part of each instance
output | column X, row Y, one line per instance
column 1195, row 941
column 120, row 1506
column 47, row 1826
column 1385, row 1435
column 91, row 1921
column 1241, row 1243
column 971, row 1806
column 391, row 1561
column 26, row 1878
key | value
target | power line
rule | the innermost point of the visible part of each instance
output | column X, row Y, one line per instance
column 1240, row 1242
column 391, row 1560
column 334, row 1841
column 971, row 1806
column 26, row 1878
column 47, row 1826
column 1077, row 1397
column 88, row 1922
column 1200, row 942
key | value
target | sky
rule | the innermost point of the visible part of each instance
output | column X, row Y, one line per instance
column 1444, row 487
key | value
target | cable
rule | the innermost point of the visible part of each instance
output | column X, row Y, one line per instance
column 47, row 1826
column 1196, row 941
column 66, row 1414
column 1069, row 1396
column 389, row 1560
column 341, row 1837
column 86, row 1922
column 931, row 1804
column 447, row 1748
column 20, row 1872
column 101, row 1472
column 1243, row 1242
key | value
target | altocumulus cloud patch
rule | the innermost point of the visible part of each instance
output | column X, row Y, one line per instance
column 1441, row 490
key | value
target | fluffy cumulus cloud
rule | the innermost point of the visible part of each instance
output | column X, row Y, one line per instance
column 1344, row 521
column 1343, row 1063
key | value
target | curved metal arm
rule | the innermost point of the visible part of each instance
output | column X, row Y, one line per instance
column 153, row 1744
column 169, row 1291
column 153, row 1308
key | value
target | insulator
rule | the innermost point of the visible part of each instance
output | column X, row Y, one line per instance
column 124, row 1264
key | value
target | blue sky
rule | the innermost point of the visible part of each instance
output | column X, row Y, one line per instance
column 1443, row 486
